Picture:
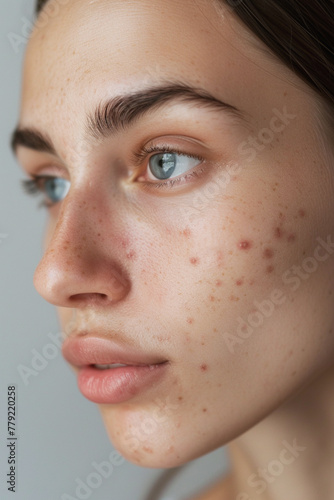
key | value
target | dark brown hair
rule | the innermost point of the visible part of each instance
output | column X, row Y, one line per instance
column 299, row 32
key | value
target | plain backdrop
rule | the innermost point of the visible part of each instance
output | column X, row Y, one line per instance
column 60, row 433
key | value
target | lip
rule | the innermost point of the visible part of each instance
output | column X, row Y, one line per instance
column 112, row 385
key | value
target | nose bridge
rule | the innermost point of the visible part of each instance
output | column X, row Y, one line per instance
column 79, row 260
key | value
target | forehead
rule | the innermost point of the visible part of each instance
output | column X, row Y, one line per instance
column 94, row 49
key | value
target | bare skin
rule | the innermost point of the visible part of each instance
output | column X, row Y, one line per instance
column 229, row 274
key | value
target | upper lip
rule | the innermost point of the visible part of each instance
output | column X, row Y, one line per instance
column 91, row 349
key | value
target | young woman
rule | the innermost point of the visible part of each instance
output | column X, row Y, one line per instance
column 184, row 152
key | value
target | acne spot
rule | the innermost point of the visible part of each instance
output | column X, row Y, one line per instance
column 186, row 232
column 269, row 269
column 301, row 213
column 218, row 283
column 251, row 282
column 233, row 298
column 190, row 320
column 194, row 260
column 291, row 237
column 268, row 253
column 131, row 255
column 204, row 367
column 204, row 410
column 244, row 245
column 99, row 234
column 147, row 449
column 212, row 298
column 239, row 282
column 278, row 232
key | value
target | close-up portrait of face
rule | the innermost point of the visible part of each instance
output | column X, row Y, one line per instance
column 183, row 152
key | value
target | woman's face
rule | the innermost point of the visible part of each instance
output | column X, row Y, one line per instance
column 195, row 232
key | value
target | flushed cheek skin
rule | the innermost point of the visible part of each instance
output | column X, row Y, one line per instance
column 224, row 289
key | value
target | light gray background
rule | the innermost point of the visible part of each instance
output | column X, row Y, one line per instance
column 60, row 432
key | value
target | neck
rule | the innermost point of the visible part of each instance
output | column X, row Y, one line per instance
column 290, row 454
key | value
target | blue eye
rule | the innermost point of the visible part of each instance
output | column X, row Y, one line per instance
column 163, row 165
column 54, row 188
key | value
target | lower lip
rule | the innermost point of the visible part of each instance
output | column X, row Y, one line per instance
column 116, row 385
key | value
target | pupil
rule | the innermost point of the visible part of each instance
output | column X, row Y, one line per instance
column 164, row 165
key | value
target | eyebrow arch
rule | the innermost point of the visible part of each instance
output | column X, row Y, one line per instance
column 120, row 112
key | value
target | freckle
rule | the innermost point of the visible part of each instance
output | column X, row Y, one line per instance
column 84, row 238
column 291, row 237
column 239, row 282
column 186, row 232
column 190, row 320
column 202, row 343
column 301, row 213
column 278, row 232
column 270, row 269
column 99, row 234
column 65, row 248
column 233, row 298
column 204, row 367
column 194, row 260
column 204, row 410
column 268, row 253
column 180, row 398
column 218, row 283
column 244, row 245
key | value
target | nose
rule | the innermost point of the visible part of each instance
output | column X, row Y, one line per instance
column 81, row 265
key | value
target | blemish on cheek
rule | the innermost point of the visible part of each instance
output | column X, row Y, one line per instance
column 204, row 410
column 218, row 283
column 233, row 298
column 239, row 282
column 278, row 232
column 180, row 398
column 212, row 298
column 269, row 269
column 190, row 320
column 268, row 253
column 301, row 213
column 291, row 237
column 186, row 232
column 194, row 260
column 147, row 449
column 131, row 255
column 204, row 367
column 245, row 245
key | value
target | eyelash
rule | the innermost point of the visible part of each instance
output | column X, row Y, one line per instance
column 33, row 186
column 139, row 156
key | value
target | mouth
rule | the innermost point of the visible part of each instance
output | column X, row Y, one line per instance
column 110, row 373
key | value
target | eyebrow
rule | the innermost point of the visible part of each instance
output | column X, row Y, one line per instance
column 120, row 112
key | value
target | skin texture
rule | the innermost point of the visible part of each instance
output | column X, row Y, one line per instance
column 179, row 267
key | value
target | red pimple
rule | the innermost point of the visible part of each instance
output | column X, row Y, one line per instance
column 301, row 213
column 239, row 282
column 268, row 253
column 270, row 269
column 278, row 232
column 190, row 320
column 204, row 367
column 218, row 283
column 186, row 232
column 194, row 260
column 291, row 237
column 244, row 245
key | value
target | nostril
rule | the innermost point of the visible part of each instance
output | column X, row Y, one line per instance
column 90, row 298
